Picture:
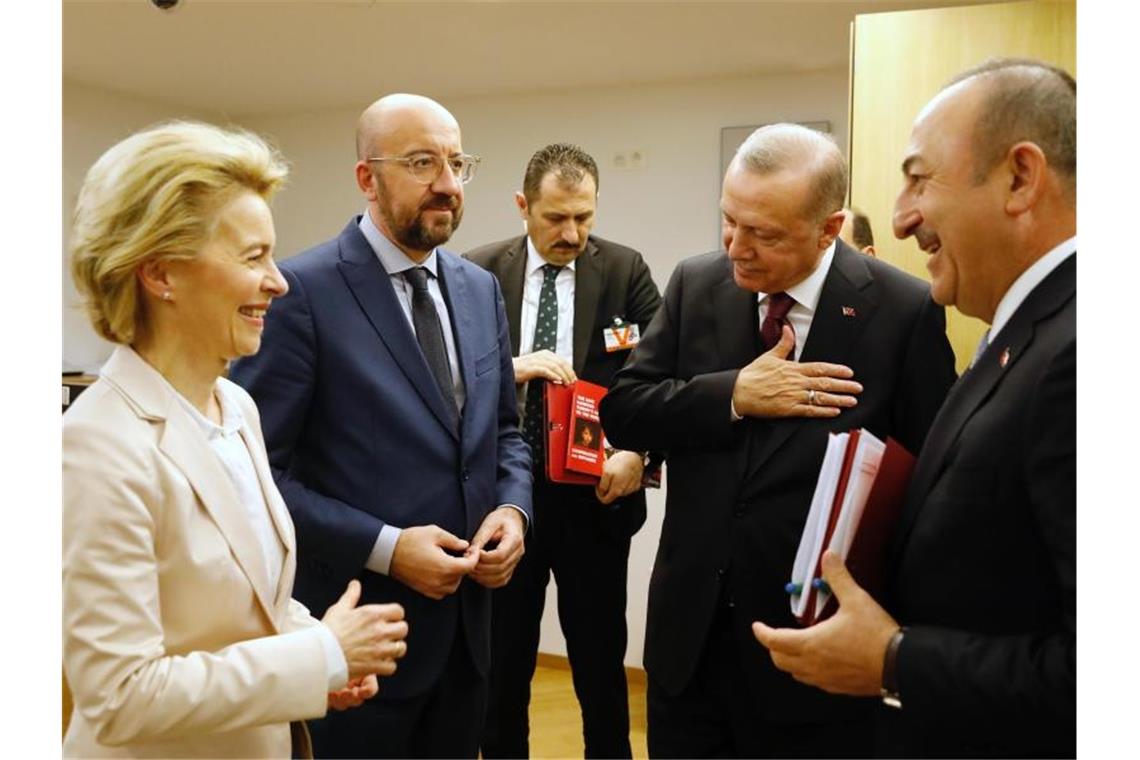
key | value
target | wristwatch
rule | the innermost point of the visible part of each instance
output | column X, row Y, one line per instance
column 890, row 686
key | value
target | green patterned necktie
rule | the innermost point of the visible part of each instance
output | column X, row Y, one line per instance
column 545, row 337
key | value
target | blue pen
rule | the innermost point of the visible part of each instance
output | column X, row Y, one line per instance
column 794, row 588
column 821, row 584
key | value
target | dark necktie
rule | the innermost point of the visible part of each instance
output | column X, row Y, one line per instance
column 545, row 337
column 429, row 334
column 778, row 306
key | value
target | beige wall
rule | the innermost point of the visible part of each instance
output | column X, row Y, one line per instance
column 668, row 209
column 94, row 120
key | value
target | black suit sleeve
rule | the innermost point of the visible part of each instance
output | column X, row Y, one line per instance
column 642, row 302
column 642, row 297
column 651, row 406
column 1020, row 686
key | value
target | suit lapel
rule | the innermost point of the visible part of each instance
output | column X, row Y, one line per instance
column 511, row 273
column 842, row 312
column 372, row 289
column 737, row 324
column 456, row 291
column 589, row 274
column 184, row 445
column 278, row 513
column 979, row 383
column 737, row 332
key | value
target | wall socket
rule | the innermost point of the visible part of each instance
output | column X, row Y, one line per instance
column 626, row 160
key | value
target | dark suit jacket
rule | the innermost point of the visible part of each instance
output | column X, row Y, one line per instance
column 358, row 435
column 610, row 280
column 738, row 493
column 986, row 552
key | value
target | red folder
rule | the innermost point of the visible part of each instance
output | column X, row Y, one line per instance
column 557, row 424
column 867, row 558
column 584, row 453
column 867, row 554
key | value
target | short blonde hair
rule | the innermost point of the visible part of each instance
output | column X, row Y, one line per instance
column 156, row 195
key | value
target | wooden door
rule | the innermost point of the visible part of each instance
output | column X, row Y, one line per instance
column 899, row 62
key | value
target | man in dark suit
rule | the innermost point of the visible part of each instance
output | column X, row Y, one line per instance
column 977, row 654
column 580, row 533
column 387, row 397
column 715, row 383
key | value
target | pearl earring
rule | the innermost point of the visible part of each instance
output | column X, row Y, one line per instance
column 167, row 295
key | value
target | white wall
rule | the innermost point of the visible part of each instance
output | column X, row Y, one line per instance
column 668, row 209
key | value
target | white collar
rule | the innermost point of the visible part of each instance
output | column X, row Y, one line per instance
column 232, row 419
column 1029, row 279
column 392, row 258
column 806, row 292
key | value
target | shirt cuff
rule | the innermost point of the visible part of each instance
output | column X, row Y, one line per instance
column 380, row 560
column 732, row 412
column 335, row 664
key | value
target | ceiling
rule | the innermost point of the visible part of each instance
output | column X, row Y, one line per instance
column 259, row 57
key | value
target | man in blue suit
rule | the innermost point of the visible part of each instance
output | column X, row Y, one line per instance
column 387, row 396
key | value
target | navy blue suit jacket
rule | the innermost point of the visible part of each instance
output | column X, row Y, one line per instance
column 358, row 435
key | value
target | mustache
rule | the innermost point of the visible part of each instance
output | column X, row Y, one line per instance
column 440, row 202
column 925, row 238
column 564, row 244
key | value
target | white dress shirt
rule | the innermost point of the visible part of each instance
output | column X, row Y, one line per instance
column 1029, row 279
column 227, row 442
column 532, row 288
column 806, row 294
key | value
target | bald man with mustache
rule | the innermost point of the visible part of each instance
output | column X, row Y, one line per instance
column 386, row 388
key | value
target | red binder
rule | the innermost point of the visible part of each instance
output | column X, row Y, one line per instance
column 867, row 554
column 561, row 426
column 584, row 452
column 867, row 558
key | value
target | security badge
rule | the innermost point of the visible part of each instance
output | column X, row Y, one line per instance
column 621, row 335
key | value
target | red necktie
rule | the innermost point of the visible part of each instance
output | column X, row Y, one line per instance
column 775, row 319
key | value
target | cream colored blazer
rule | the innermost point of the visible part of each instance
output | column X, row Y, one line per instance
column 174, row 643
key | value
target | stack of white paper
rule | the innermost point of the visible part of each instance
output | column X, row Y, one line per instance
column 864, row 466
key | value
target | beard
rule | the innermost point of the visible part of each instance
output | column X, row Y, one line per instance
column 413, row 232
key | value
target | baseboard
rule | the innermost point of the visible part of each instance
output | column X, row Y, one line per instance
column 559, row 662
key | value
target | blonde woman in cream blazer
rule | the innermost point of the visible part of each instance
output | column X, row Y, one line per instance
column 181, row 638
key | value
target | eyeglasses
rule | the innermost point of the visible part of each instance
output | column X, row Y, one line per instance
column 426, row 167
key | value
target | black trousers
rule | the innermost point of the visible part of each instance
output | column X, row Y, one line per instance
column 443, row 722
column 720, row 715
column 586, row 546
